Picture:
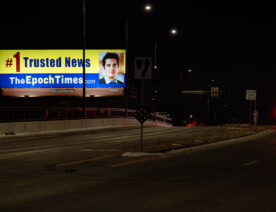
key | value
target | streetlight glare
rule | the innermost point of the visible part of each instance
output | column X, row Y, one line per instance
column 148, row 7
column 173, row 31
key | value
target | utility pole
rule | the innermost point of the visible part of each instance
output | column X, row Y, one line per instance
column 180, row 98
column 83, row 58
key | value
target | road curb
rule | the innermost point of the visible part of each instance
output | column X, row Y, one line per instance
column 222, row 142
column 198, row 147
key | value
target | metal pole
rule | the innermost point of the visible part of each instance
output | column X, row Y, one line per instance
column 83, row 74
column 200, row 108
column 126, row 78
column 142, row 94
column 180, row 97
column 155, row 52
column 127, row 65
column 155, row 75
column 250, row 112
column 255, row 117
column 208, row 109
column 155, row 49
column 141, row 144
column 215, row 111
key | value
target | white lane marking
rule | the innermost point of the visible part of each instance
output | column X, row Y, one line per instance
column 100, row 150
column 250, row 163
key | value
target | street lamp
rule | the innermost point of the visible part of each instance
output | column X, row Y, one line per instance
column 188, row 72
column 173, row 31
column 83, row 59
column 147, row 8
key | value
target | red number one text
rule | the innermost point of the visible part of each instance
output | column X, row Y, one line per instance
column 17, row 57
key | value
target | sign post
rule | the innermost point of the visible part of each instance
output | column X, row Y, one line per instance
column 214, row 91
column 141, row 115
column 251, row 96
column 255, row 117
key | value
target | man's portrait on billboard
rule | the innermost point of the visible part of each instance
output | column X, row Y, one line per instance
column 111, row 68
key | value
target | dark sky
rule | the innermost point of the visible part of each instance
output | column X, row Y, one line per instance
column 232, row 42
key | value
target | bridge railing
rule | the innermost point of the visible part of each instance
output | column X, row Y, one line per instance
column 13, row 114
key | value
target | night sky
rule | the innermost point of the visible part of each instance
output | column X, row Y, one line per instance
column 232, row 42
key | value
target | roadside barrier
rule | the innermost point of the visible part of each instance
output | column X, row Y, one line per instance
column 19, row 114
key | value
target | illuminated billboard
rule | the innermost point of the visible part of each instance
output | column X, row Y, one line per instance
column 60, row 72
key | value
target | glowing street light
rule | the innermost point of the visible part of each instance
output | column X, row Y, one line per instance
column 173, row 31
column 147, row 8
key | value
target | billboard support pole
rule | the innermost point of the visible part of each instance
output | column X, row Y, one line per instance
column 83, row 85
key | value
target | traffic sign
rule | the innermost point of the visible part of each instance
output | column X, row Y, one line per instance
column 141, row 115
column 214, row 91
column 143, row 67
column 251, row 94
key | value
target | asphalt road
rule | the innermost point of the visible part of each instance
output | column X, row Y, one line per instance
column 88, row 173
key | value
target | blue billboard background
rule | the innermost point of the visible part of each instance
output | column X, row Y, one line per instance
column 52, row 81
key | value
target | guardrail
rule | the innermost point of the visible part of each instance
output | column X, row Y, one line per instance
column 14, row 114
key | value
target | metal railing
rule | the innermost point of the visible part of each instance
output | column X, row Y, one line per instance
column 16, row 114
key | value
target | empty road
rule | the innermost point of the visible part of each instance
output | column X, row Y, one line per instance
column 88, row 173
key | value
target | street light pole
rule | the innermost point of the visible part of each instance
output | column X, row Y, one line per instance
column 127, row 80
column 180, row 99
column 155, row 75
column 173, row 32
column 83, row 58
column 186, row 73
column 155, row 50
column 127, row 58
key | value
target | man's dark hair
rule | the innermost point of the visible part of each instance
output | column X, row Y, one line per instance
column 110, row 55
